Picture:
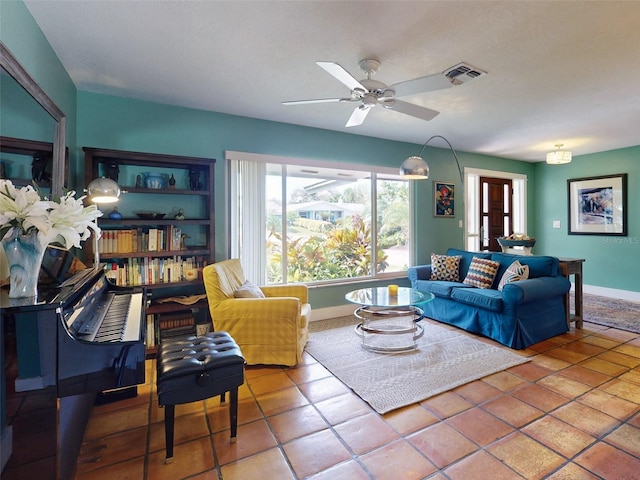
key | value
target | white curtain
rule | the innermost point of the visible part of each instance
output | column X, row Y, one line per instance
column 247, row 217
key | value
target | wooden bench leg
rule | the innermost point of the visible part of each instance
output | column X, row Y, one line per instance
column 169, row 417
column 233, row 413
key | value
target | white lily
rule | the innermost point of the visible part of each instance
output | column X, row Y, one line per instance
column 67, row 221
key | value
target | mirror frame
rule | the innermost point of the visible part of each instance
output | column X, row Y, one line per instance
column 11, row 65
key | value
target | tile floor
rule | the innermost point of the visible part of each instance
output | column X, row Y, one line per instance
column 572, row 412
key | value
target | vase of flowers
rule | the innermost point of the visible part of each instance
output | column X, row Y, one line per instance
column 30, row 221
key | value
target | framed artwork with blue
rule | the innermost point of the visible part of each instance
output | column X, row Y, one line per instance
column 444, row 199
column 598, row 205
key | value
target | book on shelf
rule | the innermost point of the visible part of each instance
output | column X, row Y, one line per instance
column 151, row 330
column 133, row 240
column 153, row 240
column 176, row 234
column 134, row 271
column 176, row 320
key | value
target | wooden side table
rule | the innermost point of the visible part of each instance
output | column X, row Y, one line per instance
column 568, row 267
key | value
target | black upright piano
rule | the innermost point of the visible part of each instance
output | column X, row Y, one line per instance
column 97, row 331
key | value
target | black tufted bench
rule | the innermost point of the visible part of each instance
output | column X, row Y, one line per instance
column 195, row 368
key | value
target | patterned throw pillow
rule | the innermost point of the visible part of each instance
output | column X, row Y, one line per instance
column 515, row 272
column 481, row 272
column 445, row 267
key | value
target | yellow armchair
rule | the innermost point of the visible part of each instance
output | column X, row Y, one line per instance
column 272, row 330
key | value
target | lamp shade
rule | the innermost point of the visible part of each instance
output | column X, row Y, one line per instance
column 414, row 168
column 103, row 190
column 558, row 157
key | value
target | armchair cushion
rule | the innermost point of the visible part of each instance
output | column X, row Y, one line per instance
column 248, row 290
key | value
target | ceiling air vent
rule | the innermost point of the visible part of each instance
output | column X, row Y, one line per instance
column 462, row 73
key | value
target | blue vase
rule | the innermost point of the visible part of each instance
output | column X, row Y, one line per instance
column 24, row 257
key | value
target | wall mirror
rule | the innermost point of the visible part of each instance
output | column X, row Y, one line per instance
column 17, row 98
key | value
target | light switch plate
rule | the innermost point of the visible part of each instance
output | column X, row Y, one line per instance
column 556, row 224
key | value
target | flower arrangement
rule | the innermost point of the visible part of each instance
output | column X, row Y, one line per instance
column 66, row 221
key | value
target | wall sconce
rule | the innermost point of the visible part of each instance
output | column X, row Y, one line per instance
column 416, row 168
column 558, row 157
column 103, row 190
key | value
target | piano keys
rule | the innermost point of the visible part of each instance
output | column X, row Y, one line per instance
column 101, row 338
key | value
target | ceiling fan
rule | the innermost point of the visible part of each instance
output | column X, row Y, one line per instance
column 370, row 93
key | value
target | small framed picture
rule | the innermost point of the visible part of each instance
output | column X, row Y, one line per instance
column 444, row 199
column 598, row 205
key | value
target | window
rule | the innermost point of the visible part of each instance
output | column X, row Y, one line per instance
column 314, row 222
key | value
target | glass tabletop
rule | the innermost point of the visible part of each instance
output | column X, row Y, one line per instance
column 380, row 297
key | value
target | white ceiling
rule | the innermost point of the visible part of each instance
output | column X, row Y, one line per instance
column 558, row 71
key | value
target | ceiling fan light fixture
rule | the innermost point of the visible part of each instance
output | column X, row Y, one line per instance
column 414, row 168
column 558, row 156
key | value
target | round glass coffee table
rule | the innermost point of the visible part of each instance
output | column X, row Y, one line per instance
column 389, row 323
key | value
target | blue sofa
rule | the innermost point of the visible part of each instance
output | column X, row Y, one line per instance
column 523, row 313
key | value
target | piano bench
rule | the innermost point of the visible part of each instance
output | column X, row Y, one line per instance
column 193, row 368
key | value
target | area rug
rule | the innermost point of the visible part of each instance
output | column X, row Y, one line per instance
column 611, row 312
column 445, row 359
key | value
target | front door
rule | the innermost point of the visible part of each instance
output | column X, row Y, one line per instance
column 495, row 211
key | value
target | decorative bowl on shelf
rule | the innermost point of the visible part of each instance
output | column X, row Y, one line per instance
column 150, row 215
column 507, row 242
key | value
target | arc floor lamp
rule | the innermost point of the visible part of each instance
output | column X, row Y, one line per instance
column 416, row 168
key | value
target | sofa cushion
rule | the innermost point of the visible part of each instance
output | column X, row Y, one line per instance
column 514, row 272
column 539, row 265
column 481, row 272
column 445, row 267
column 440, row 288
column 485, row 298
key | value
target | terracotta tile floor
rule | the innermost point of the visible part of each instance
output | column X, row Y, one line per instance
column 572, row 412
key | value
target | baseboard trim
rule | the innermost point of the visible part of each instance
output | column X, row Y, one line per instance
column 332, row 312
column 6, row 446
column 612, row 293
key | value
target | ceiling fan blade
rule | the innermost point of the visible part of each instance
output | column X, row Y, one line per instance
column 318, row 100
column 358, row 116
column 342, row 75
column 436, row 81
column 411, row 109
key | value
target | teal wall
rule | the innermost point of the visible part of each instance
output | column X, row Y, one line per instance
column 611, row 262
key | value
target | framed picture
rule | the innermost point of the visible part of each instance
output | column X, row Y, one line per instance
column 598, row 205
column 444, row 199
